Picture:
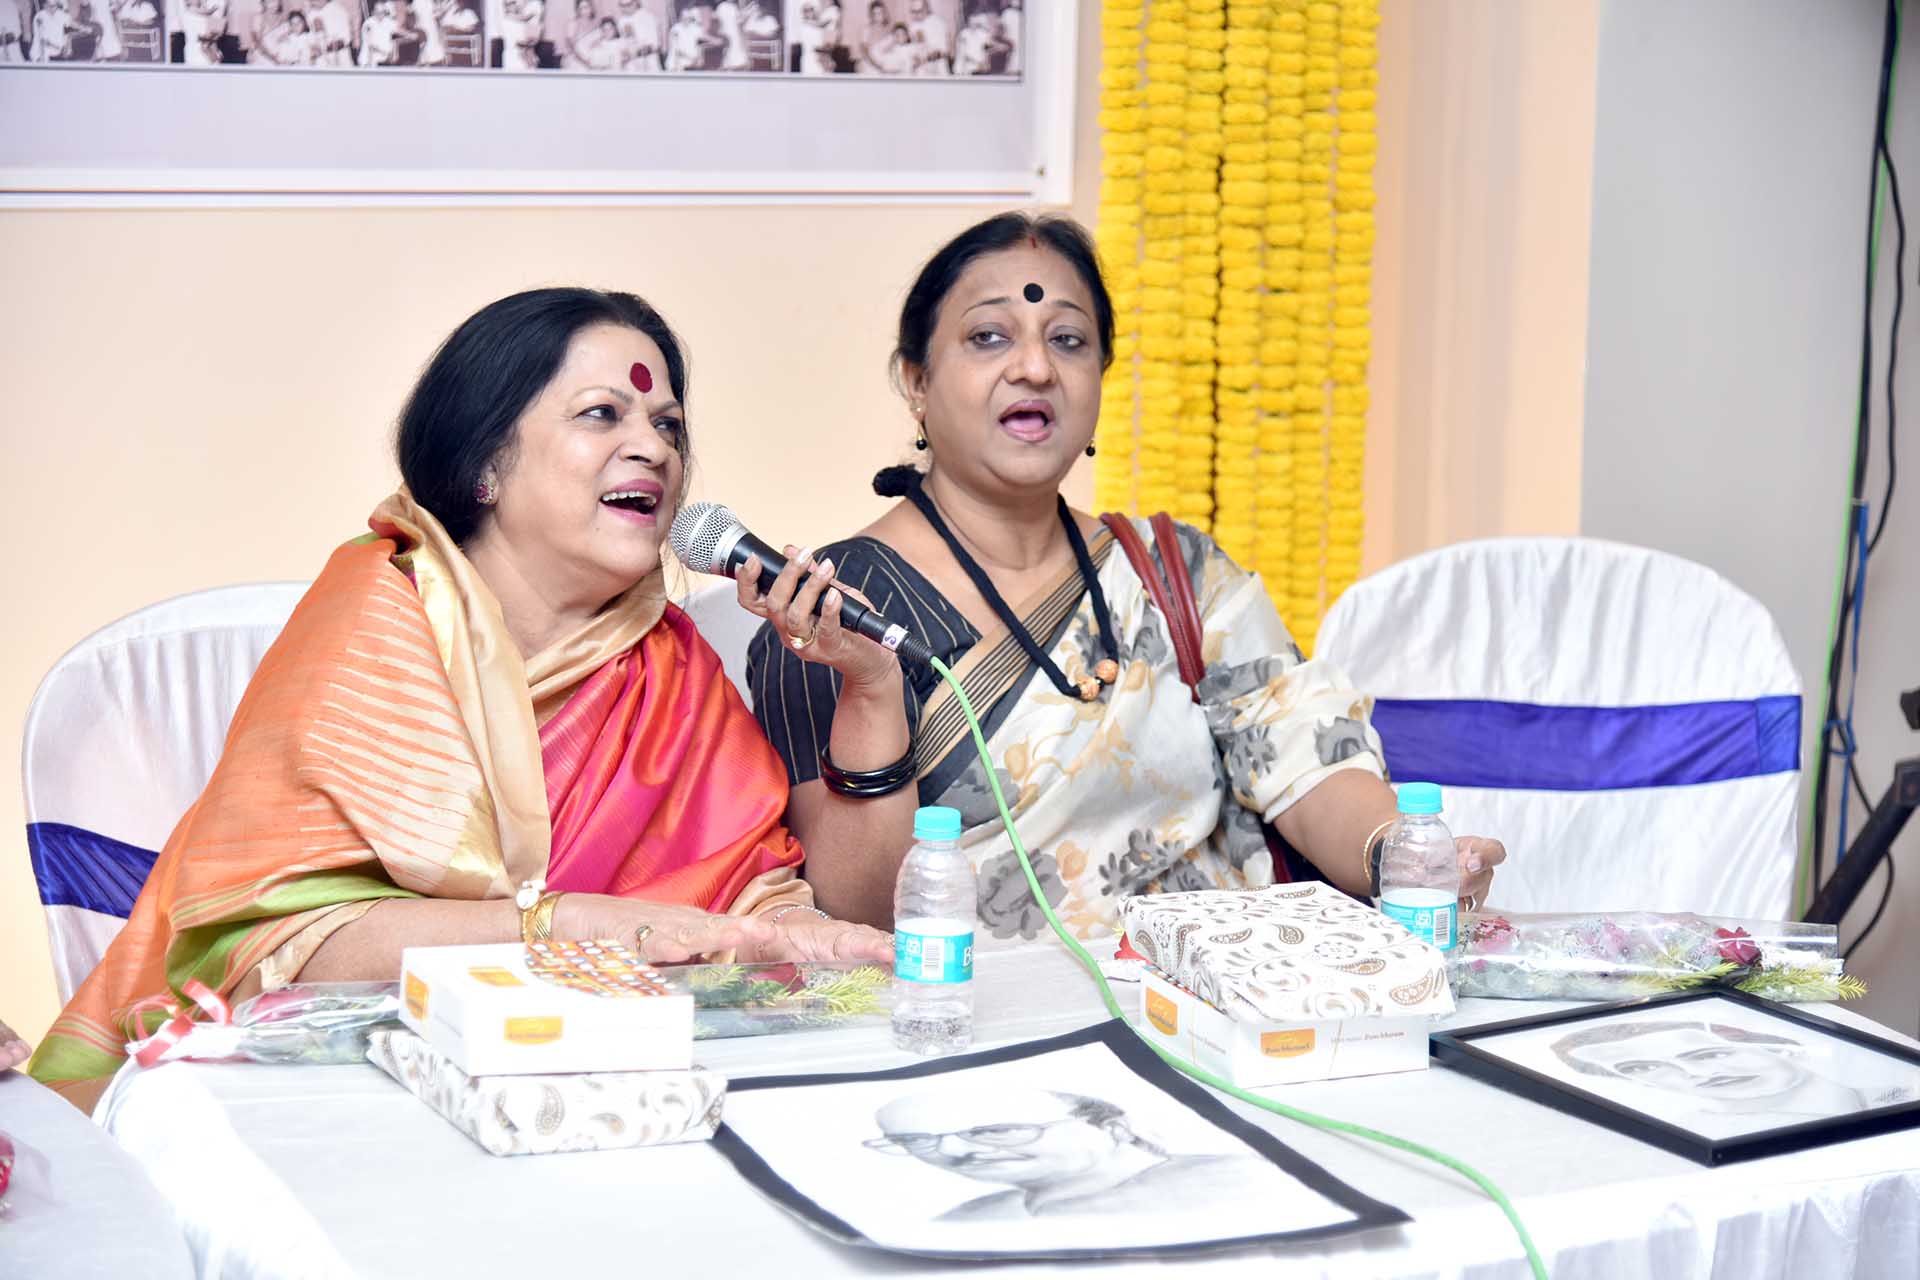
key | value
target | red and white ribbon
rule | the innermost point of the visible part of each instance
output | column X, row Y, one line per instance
column 151, row 1050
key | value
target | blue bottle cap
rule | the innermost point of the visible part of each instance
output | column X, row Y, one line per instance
column 1419, row 797
column 936, row 822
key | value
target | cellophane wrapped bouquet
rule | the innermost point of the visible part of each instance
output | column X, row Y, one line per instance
column 768, row 999
column 315, row 1023
column 1617, row 955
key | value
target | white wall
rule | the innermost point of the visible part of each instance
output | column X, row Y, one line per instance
column 1728, row 236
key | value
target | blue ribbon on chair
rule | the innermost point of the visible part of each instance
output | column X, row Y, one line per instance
column 75, row 867
column 1518, row 746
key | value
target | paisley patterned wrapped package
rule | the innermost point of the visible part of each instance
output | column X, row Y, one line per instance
column 1291, row 953
column 534, row 1115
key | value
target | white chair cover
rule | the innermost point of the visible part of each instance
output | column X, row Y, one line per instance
column 715, row 610
column 1626, row 721
column 121, row 737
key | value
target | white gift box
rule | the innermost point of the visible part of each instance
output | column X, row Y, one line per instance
column 535, row 1115
column 545, row 1008
column 1257, row 1053
column 1281, row 985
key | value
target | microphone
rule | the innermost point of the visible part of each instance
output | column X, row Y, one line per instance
column 710, row 538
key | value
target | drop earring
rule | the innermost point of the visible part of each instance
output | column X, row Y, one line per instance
column 1089, row 448
column 920, row 441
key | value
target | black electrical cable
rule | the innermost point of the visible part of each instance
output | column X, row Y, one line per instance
column 1886, row 896
column 1893, row 339
column 1886, row 503
column 1890, row 41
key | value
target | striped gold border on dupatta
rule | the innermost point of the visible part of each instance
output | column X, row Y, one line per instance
column 996, row 663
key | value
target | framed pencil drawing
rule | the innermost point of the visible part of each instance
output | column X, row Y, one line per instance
column 1715, row 1076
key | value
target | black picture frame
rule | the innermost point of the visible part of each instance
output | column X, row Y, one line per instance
column 1469, row 1051
column 1364, row 1212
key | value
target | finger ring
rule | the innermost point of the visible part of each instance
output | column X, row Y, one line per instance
column 1473, row 901
column 799, row 642
column 640, row 935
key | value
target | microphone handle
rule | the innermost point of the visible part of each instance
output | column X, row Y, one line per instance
column 853, row 614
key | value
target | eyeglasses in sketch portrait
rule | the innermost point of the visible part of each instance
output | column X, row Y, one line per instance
column 1053, row 1153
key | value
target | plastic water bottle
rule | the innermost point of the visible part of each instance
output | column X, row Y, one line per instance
column 934, row 907
column 1419, row 871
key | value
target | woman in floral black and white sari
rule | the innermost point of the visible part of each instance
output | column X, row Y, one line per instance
column 1123, row 777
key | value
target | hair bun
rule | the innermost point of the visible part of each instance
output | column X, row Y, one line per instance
column 896, row 481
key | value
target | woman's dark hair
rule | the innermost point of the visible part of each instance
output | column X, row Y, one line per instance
column 460, row 416
column 921, row 311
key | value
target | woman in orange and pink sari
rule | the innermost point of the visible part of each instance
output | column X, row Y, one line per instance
column 484, row 722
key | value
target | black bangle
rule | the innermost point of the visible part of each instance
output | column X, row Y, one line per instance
column 873, row 783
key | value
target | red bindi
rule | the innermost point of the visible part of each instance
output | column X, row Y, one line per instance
column 642, row 376
column 1033, row 241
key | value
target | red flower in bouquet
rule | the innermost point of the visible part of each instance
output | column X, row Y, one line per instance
column 787, row 975
column 1494, row 933
column 1737, row 946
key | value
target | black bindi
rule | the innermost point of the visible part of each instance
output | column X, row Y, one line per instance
column 1033, row 293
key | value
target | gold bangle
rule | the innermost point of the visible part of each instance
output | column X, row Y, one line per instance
column 774, row 916
column 536, row 922
column 1367, row 874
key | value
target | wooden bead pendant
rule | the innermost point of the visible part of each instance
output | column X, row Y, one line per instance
column 1106, row 671
column 1089, row 689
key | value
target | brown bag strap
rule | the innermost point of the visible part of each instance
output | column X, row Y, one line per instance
column 1173, row 562
column 1181, row 624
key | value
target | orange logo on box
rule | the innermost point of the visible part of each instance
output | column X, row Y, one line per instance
column 494, row 976
column 1163, row 1013
column 416, row 997
column 533, row 1030
column 1286, row 1044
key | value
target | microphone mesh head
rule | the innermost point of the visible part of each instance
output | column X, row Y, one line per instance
column 696, row 533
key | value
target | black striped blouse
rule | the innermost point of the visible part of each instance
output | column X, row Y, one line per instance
column 794, row 699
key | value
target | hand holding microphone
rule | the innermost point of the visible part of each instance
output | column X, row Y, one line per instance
column 814, row 616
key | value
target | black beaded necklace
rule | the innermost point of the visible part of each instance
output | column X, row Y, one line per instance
column 1107, row 670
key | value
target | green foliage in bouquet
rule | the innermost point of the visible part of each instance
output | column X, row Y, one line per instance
column 1676, row 971
column 756, row 1000
column 1801, row 982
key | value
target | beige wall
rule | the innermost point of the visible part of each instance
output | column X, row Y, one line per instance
column 203, row 397
column 1480, row 307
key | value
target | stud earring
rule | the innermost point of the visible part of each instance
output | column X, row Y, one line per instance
column 485, row 494
column 1089, row 449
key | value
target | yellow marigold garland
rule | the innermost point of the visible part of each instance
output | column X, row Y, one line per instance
column 1243, row 198
column 1236, row 224
column 1352, row 273
column 1117, row 235
column 1200, row 262
column 1315, row 317
column 1280, row 335
column 1162, row 326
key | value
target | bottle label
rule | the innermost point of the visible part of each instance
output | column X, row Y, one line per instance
column 933, row 957
column 1429, row 922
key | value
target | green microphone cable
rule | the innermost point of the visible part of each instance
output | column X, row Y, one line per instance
column 1182, row 1065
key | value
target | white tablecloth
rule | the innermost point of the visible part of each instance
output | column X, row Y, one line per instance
column 337, row 1171
column 80, row 1208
